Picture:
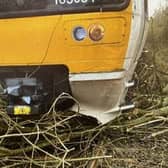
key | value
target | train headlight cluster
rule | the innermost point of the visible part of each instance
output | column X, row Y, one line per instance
column 95, row 32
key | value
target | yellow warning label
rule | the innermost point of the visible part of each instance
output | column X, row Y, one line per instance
column 22, row 110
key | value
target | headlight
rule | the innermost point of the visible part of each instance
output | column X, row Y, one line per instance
column 96, row 32
column 79, row 33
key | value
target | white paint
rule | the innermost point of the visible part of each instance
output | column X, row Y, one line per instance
column 137, row 37
column 97, row 76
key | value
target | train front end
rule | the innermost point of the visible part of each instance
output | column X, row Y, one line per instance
column 84, row 48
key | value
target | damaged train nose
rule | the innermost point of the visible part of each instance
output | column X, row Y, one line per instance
column 86, row 48
column 100, row 94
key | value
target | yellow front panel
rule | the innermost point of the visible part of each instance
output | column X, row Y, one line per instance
column 114, row 33
column 49, row 40
column 24, row 40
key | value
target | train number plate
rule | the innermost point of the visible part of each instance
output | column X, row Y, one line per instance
column 71, row 2
column 22, row 110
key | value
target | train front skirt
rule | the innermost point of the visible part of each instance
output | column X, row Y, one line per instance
column 31, row 90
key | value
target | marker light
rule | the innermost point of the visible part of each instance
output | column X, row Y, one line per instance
column 96, row 32
column 79, row 33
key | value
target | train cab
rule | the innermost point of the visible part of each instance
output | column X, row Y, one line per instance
column 87, row 49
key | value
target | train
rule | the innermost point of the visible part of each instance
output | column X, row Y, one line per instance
column 82, row 53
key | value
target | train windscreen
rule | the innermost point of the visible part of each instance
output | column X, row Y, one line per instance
column 40, row 7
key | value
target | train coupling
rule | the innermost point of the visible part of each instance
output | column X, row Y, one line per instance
column 25, row 96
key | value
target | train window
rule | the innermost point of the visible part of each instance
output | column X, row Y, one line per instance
column 14, row 8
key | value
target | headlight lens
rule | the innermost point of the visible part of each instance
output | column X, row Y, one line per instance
column 96, row 32
column 79, row 33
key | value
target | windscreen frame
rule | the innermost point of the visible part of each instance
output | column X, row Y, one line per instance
column 46, row 12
